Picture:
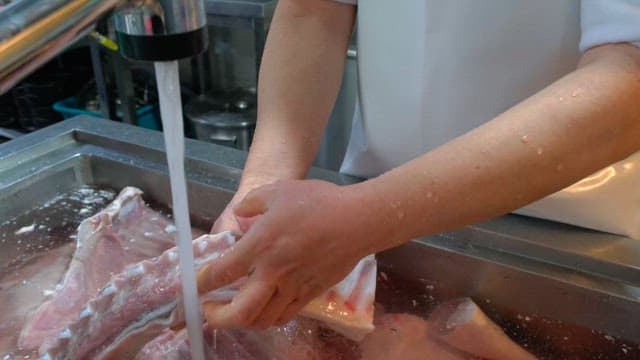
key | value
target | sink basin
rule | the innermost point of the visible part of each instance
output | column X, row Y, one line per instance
column 560, row 300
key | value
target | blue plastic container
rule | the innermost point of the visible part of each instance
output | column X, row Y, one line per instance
column 146, row 116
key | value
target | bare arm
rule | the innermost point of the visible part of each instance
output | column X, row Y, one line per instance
column 310, row 233
column 576, row 126
column 299, row 81
column 300, row 77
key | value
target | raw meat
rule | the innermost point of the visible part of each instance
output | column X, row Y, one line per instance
column 300, row 339
column 407, row 337
column 396, row 336
column 136, row 304
column 145, row 299
column 25, row 289
column 456, row 329
column 125, row 232
column 463, row 325
column 348, row 307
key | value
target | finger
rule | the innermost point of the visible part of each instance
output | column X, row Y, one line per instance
column 292, row 309
column 226, row 222
column 229, row 267
column 178, row 327
column 274, row 309
column 306, row 293
column 245, row 307
column 244, row 224
column 255, row 203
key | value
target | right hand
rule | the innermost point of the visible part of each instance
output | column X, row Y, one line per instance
column 227, row 221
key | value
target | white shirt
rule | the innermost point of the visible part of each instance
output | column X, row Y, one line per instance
column 431, row 70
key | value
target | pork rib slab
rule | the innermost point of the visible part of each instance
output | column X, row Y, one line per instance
column 146, row 297
column 125, row 232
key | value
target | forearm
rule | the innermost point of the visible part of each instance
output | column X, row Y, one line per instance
column 300, row 77
column 576, row 126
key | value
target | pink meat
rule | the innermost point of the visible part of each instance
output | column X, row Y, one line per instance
column 300, row 339
column 145, row 299
column 456, row 329
column 24, row 290
column 407, row 337
column 125, row 232
column 462, row 324
column 348, row 307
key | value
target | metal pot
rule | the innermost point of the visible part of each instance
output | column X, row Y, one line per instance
column 227, row 119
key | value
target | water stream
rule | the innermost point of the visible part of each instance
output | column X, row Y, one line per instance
column 168, row 80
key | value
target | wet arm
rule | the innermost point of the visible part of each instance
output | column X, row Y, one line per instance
column 299, row 80
column 583, row 122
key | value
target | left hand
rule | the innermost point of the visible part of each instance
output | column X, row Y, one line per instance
column 305, row 237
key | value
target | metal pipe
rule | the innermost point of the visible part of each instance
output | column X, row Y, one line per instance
column 34, row 31
column 20, row 14
column 27, row 44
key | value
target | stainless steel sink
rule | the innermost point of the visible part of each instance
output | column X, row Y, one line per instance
column 543, row 281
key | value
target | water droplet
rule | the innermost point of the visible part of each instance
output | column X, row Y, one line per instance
column 539, row 151
column 560, row 167
column 524, row 139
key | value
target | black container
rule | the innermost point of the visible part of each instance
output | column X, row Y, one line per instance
column 60, row 78
column 8, row 111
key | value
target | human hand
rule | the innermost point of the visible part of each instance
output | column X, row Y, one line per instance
column 227, row 220
column 306, row 236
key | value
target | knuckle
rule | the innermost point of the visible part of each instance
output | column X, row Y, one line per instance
column 243, row 317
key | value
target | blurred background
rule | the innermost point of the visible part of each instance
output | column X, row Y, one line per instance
column 218, row 87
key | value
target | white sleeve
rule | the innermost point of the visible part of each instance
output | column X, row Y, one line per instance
column 351, row 2
column 609, row 21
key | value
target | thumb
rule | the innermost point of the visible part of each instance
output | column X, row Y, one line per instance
column 255, row 203
column 244, row 224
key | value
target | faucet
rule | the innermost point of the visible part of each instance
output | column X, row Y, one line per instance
column 32, row 32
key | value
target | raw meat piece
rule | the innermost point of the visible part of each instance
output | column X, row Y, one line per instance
column 25, row 289
column 348, row 307
column 145, row 299
column 174, row 345
column 456, row 329
column 407, row 337
column 463, row 325
column 125, row 232
column 136, row 304
column 300, row 339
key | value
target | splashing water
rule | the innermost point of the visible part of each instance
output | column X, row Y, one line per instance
column 168, row 80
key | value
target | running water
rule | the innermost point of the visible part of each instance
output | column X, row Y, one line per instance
column 168, row 81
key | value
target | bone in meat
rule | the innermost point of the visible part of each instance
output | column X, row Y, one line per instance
column 463, row 325
column 300, row 339
column 145, row 299
column 407, row 337
column 126, row 231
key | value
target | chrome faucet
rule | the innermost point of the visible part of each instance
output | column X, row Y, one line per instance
column 33, row 31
